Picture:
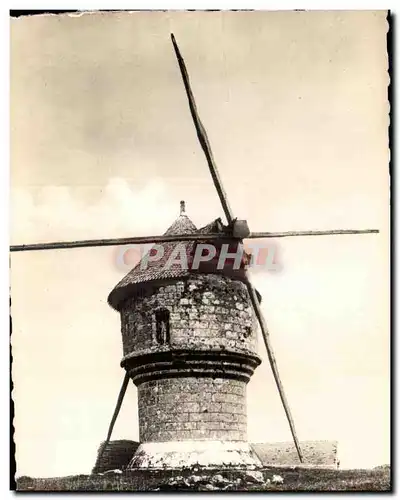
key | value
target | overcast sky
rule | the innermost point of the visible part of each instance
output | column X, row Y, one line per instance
column 102, row 145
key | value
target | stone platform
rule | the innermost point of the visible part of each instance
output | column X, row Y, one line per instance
column 202, row 454
column 217, row 454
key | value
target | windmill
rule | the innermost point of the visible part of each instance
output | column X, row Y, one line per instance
column 236, row 230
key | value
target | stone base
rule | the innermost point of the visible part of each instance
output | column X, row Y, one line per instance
column 202, row 454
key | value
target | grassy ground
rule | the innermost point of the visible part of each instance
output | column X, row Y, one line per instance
column 293, row 480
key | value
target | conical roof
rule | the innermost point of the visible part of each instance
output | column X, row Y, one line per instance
column 156, row 270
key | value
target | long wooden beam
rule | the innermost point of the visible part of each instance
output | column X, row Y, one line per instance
column 137, row 240
column 202, row 135
column 224, row 202
column 323, row 232
column 274, row 367
column 115, row 415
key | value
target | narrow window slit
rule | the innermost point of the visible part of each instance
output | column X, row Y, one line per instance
column 162, row 326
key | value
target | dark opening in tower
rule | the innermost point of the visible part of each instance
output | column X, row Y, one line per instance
column 162, row 326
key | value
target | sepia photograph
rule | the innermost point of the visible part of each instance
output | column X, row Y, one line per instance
column 199, row 250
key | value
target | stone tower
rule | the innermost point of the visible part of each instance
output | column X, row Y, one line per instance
column 189, row 342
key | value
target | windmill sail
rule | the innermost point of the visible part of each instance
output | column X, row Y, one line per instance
column 202, row 135
column 224, row 202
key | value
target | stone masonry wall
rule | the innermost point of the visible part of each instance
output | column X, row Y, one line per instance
column 206, row 311
column 178, row 409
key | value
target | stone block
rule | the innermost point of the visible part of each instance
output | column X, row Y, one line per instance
column 323, row 454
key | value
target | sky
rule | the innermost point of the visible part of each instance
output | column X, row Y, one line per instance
column 102, row 146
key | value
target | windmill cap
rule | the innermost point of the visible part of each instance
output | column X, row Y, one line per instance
column 155, row 272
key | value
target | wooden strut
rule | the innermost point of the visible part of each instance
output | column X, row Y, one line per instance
column 253, row 296
column 264, row 330
column 115, row 415
column 137, row 240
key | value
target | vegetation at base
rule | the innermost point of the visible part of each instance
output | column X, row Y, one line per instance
column 294, row 479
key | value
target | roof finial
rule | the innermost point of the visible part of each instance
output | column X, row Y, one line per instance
column 182, row 207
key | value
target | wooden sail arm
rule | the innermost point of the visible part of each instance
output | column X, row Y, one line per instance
column 202, row 135
column 222, row 195
column 137, row 240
